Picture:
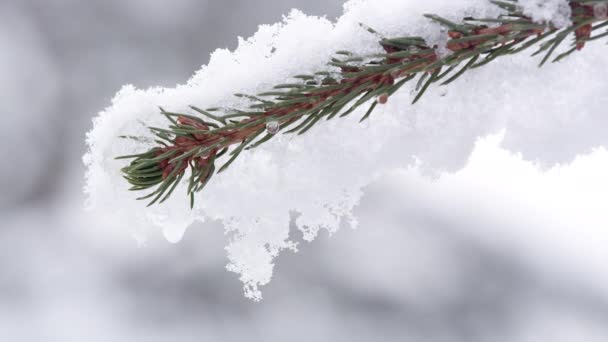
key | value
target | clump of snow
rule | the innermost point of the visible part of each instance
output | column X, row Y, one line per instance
column 320, row 175
column 556, row 12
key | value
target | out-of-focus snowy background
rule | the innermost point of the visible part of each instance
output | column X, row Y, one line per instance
column 410, row 272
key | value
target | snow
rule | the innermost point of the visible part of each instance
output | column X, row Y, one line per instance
column 556, row 12
column 548, row 216
column 321, row 175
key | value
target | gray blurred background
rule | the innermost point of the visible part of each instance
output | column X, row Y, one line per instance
column 63, row 279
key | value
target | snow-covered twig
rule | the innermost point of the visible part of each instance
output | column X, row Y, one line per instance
column 200, row 140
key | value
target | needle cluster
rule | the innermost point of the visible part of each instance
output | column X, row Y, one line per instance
column 194, row 143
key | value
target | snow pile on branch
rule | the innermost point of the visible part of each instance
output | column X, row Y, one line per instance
column 556, row 12
column 320, row 175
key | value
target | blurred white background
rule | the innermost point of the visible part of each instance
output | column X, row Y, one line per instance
column 410, row 272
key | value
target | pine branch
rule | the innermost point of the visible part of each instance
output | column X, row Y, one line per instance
column 199, row 140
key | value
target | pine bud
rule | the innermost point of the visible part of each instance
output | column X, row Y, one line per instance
column 454, row 34
column 382, row 99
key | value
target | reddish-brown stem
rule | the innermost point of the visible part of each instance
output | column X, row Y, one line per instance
column 222, row 139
